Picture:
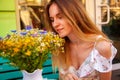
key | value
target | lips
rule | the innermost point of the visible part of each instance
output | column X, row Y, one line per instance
column 59, row 30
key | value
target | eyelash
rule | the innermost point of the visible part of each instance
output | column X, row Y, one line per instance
column 60, row 17
column 52, row 20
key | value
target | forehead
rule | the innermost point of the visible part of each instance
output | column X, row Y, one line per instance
column 54, row 9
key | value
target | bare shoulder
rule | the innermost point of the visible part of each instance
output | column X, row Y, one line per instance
column 104, row 47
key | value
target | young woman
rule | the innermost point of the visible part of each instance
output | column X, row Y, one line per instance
column 88, row 52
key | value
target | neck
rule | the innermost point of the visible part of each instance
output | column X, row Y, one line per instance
column 74, row 39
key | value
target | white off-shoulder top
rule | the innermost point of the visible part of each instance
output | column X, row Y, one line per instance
column 93, row 64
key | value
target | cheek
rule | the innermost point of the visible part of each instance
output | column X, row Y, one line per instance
column 67, row 31
column 69, row 28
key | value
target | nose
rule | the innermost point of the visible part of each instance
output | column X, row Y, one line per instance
column 55, row 23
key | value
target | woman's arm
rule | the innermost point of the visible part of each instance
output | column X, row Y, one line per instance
column 104, row 49
column 67, row 76
column 105, row 76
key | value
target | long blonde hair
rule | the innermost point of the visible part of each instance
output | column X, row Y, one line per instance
column 76, row 15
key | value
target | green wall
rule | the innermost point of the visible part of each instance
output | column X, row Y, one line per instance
column 7, row 17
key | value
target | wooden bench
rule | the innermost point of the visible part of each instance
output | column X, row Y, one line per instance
column 8, row 72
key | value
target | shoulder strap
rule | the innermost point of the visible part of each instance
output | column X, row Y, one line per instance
column 98, row 37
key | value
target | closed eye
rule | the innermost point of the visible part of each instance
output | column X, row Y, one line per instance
column 58, row 16
column 51, row 20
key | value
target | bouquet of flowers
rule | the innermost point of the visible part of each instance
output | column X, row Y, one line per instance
column 28, row 49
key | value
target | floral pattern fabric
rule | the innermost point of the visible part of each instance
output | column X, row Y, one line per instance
column 94, row 64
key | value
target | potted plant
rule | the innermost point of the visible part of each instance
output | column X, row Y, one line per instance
column 28, row 49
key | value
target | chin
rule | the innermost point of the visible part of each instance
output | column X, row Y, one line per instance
column 62, row 36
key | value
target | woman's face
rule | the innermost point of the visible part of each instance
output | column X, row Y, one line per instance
column 59, row 22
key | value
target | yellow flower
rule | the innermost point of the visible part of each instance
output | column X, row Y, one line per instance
column 9, row 43
column 15, row 50
column 27, row 46
column 28, row 53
